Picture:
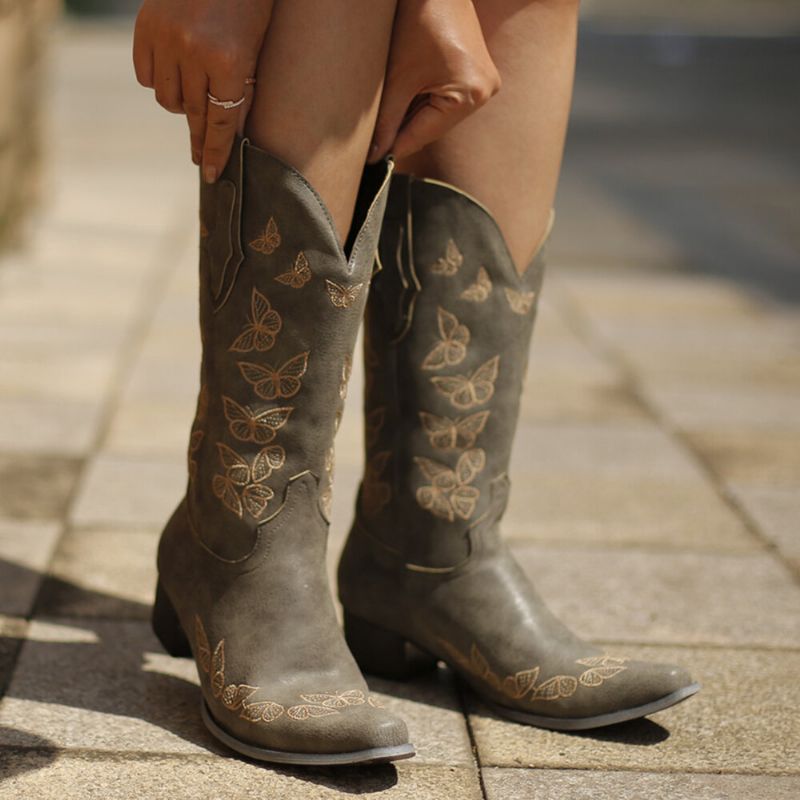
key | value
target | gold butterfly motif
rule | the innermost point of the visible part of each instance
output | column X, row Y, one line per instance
column 467, row 392
column 450, row 262
column 195, row 440
column 299, row 275
column 452, row 347
column 269, row 241
column 239, row 475
column 375, row 492
column 352, row 697
column 271, row 383
column 453, row 434
column 262, row 327
column 520, row 302
column 260, row 427
column 479, row 291
column 449, row 494
column 343, row 296
column 601, row 668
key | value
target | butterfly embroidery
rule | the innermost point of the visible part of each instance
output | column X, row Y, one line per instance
column 449, row 494
column 241, row 487
column 262, row 326
column 601, row 668
column 271, row 383
column 343, row 296
column 452, row 348
column 375, row 492
column 373, row 425
column 450, row 262
column 195, row 440
column 467, row 392
column 299, row 275
column 269, row 241
column 453, row 434
column 260, row 428
column 479, row 291
column 520, row 302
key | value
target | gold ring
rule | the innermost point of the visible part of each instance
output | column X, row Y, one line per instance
column 249, row 81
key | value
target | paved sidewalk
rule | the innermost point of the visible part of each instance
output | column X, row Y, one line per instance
column 657, row 474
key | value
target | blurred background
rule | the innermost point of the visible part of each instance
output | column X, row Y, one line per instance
column 657, row 501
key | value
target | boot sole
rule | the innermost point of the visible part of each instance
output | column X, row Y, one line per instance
column 598, row 721
column 373, row 755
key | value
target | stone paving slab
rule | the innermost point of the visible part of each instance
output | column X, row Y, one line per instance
column 25, row 549
column 148, row 703
column 519, row 784
column 77, row 776
column 128, row 491
column 629, row 595
column 572, row 507
column 102, row 573
column 744, row 720
column 776, row 510
column 36, row 486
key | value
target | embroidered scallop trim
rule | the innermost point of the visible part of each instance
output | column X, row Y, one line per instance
column 523, row 685
column 237, row 697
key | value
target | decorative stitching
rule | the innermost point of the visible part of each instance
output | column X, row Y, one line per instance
column 520, row 302
column 242, row 487
column 343, row 296
column 373, row 425
column 262, row 328
column 449, row 264
column 247, row 426
column 449, row 494
column 453, row 434
column 479, row 291
column 236, row 697
column 375, row 493
column 347, row 371
column 195, row 440
column 467, row 392
column 273, row 383
column 299, row 275
column 523, row 684
column 269, row 241
column 451, row 350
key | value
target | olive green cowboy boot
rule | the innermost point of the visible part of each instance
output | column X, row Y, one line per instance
column 243, row 584
column 449, row 324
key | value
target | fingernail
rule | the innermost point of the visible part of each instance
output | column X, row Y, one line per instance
column 196, row 159
column 373, row 153
column 210, row 174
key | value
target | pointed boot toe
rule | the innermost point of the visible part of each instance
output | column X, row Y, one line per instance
column 425, row 568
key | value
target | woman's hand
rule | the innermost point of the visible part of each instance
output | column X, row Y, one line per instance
column 185, row 49
column 439, row 72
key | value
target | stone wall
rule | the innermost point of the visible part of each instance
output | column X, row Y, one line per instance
column 22, row 40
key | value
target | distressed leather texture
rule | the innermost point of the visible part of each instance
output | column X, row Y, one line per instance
column 242, row 559
column 425, row 558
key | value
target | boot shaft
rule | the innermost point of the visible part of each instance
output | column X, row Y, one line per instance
column 449, row 323
column 280, row 307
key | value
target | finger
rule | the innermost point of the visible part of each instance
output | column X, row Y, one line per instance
column 393, row 109
column 221, row 125
column 194, row 86
column 429, row 123
column 244, row 111
column 142, row 60
column 167, row 83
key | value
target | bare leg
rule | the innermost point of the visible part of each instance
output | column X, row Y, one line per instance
column 320, row 77
column 508, row 154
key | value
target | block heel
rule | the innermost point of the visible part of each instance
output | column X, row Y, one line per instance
column 167, row 627
column 382, row 653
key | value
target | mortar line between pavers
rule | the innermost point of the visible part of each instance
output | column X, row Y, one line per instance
column 581, row 326
column 476, row 759
column 650, row 770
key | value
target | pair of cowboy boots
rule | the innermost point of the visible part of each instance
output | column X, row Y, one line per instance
column 425, row 576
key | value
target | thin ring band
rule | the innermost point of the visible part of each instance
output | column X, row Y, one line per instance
column 249, row 81
column 226, row 104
